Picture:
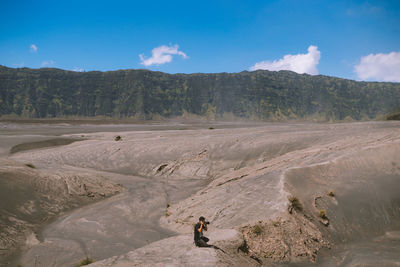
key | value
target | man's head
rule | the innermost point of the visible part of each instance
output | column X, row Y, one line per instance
column 202, row 219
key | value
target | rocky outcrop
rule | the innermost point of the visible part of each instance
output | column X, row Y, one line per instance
column 181, row 251
column 294, row 238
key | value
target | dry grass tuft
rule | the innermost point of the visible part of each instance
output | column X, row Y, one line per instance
column 86, row 261
column 295, row 203
column 257, row 229
column 322, row 214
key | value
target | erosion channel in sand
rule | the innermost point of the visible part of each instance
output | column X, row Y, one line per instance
column 134, row 201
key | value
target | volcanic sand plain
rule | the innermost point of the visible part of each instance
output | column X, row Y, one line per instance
column 274, row 193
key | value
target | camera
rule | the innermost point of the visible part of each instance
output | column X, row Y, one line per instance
column 207, row 222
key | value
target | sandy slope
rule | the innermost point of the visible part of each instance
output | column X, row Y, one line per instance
column 238, row 178
column 31, row 197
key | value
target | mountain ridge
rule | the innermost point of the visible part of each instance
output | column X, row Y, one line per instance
column 146, row 94
column 196, row 73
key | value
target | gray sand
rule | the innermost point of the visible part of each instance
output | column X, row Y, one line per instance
column 235, row 175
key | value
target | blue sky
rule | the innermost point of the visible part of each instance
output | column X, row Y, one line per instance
column 350, row 39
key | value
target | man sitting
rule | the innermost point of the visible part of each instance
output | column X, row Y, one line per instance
column 199, row 239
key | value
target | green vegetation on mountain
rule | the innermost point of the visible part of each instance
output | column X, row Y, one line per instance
column 143, row 94
column 394, row 115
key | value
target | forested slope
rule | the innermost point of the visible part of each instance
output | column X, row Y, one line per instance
column 40, row 93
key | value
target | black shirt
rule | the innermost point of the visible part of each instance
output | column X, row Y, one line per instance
column 197, row 234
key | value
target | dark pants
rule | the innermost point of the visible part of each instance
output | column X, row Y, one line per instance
column 202, row 242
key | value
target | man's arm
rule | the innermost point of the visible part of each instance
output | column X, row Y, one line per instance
column 201, row 227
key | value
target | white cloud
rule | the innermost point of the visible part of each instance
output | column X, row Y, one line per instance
column 379, row 67
column 48, row 63
column 161, row 55
column 77, row 69
column 300, row 63
column 33, row 48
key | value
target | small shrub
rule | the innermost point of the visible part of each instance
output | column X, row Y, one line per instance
column 276, row 223
column 295, row 203
column 118, row 138
column 30, row 165
column 210, row 128
column 331, row 193
column 167, row 212
column 322, row 214
column 257, row 229
column 86, row 261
